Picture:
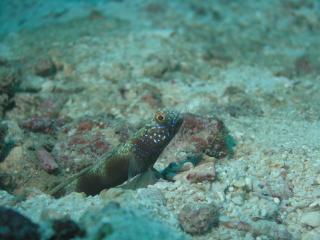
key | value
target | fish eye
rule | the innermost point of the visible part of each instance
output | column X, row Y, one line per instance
column 160, row 117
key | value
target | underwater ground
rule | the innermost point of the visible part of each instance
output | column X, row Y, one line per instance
column 79, row 78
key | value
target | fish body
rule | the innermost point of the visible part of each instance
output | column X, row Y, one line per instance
column 136, row 156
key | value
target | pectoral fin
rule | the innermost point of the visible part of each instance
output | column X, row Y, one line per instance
column 135, row 167
column 151, row 176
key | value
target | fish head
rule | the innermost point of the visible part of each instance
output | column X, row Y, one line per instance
column 168, row 120
column 150, row 141
column 158, row 133
column 163, row 127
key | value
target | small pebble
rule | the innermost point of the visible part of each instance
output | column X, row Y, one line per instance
column 264, row 213
column 238, row 200
column 249, row 183
column 156, row 69
column 187, row 166
column 197, row 177
column 315, row 204
column 276, row 200
column 239, row 183
column 221, row 196
column 50, row 214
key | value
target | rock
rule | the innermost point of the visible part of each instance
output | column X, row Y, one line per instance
column 315, row 203
column 238, row 199
column 174, row 168
column 267, row 209
column 45, row 67
column 203, row 172
column 198, row 219
column 200, row 138
column 4, row 103
column 115, row 194
column 220, row 143
column 151, row 197
column 240, row 103
column 42, row 124
column 11, row 168
column 66, row 229
column 243, row 183
column 6, row 181
column 6, row 199
column 249, row 184
column 32, row 84
column 9, row 79
column 50, row 214
column 156, row 68
column 152, row 96
column 3, row 133
column 111, row 221
column 5, row 146
column 311, row 235
column 155, row 8
column 270, row 229
column 46, row 160
column 40, row 206
column 15, row 226
column 311, row 218
column 116, row 72
column 318, row 179
column 279, row 188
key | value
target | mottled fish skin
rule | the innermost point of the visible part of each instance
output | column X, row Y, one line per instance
column 134, row 157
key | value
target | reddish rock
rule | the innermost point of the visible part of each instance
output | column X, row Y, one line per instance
column 196, row 177
column 193, row 123
column 198, row 136
column 85, row 126
column 200, row 143
column 47, row 161
column 42, row 124
column 217, row 140
column 77, row 139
